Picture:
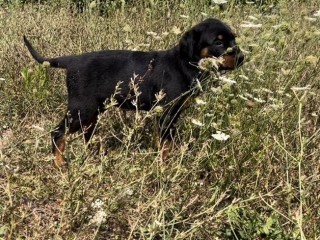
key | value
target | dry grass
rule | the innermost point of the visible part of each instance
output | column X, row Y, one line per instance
column 262, row 183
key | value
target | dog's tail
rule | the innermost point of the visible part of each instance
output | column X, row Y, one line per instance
column 60, row 62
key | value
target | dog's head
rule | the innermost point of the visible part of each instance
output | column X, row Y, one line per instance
column 211, row 38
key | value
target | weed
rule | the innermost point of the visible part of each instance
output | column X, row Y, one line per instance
column 36, row 85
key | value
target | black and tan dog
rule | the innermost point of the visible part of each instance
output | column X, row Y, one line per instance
column 92, row 78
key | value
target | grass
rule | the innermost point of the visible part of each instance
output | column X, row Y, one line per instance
column 261, row 183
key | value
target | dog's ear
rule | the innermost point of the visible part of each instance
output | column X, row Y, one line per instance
column 188, row 45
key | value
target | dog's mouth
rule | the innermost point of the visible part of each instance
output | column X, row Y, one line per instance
column 231, row 62
column 222, row 64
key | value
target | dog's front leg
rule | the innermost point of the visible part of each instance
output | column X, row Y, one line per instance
column 76, row 119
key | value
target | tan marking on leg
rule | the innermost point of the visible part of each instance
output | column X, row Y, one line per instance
column 165, row 150
column 60, row 147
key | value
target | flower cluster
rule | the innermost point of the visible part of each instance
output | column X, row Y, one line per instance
column 100, row 215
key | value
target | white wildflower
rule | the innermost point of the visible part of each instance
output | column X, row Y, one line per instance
column 317, row 13
column 259, row 100
column 253, row 45
column 158, row 109
column 253, row 18
column 257, row 71
column 134, row 103
column 266, row 90
column 214, row 124
column 157, row 37
column 219, row 2
column 158, row 223
column 38, row 128
column 208, row 64
column 243, row 97
column 220, row 136
column 176, row 30
column 160, row 95
column 144, row 45
column 184, row 16
column 93, row 5
column 198, row 85
column 285, row 71
column 247, row 24
column 229, row 50
column 97, row 204
column 5, row 138
column 277, row 106
column 277, row 26
column 127, row 28
column 199, row 101
column 197, row 122
column 150, row 33
column 256, row 90
column 272, row 50
column 226, row 80
column 280, row 91
column 310, row 19
column 46, row 64
column 244, row 77
column 308, row 87
column 98, row 218
column 248, row 95
column 312, row 60
column 134, row 76
column 216, row 89
column 128, row 41
column 165, row 34
column 128, row 191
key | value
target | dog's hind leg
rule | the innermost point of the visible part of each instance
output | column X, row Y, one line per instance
column 168, row 130
column 59, row 142
column 76, row 120
column 167, row 124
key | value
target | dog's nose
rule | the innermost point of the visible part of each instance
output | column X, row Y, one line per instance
column 239, row 59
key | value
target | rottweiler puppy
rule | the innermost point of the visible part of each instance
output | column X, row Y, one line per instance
column 96, row 77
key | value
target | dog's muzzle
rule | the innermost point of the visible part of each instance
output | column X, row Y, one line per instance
column 232, row 59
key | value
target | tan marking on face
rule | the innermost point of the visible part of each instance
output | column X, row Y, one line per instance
column 60, row 147
column 229, row 62
column 220, row 37
column 204, row 53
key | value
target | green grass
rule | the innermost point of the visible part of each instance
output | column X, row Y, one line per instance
column 261, row 183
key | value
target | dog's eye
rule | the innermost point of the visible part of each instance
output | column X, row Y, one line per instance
column 218, row 43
